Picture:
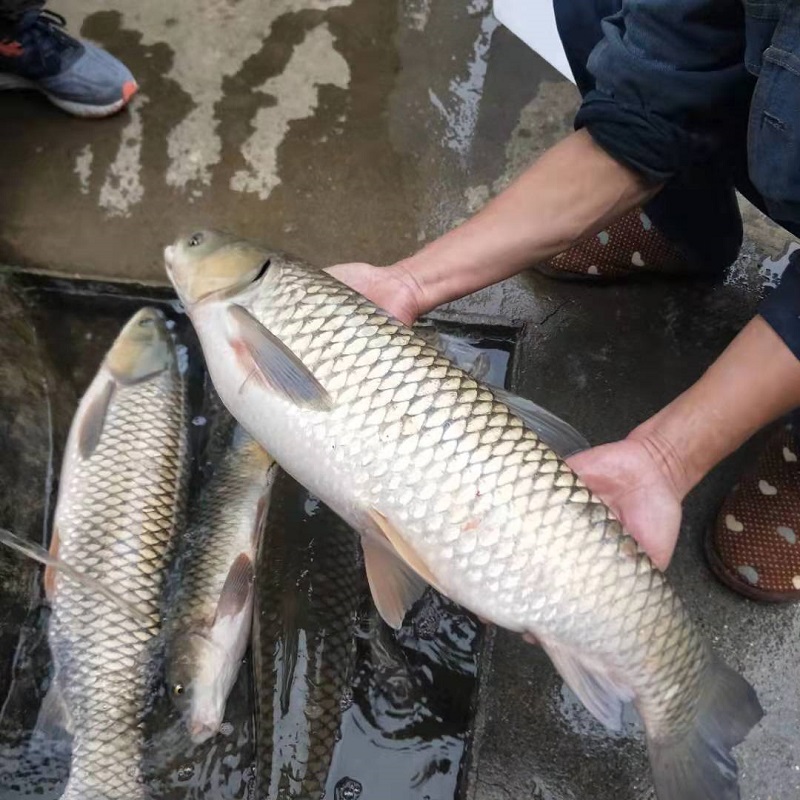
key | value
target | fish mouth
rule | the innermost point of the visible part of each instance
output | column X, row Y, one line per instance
column 262, row 270
column 201, row 731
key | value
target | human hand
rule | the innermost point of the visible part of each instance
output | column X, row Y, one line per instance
column 390, row 288
column 633, row 482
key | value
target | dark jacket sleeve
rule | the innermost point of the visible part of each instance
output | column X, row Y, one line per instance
column 781, row 308
column 669, row 78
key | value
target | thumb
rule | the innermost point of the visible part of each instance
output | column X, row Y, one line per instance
column 653, row 518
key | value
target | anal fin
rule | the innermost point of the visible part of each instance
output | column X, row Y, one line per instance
column 603, row 695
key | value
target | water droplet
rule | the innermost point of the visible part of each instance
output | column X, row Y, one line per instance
column 311, row 506
column 346, row 700
column 182, row 356
column 347, row 789
column 314, row 711
column 199, row 421
column 170, row 323
column 226, row 729
column 184, row 773
column 426, row 623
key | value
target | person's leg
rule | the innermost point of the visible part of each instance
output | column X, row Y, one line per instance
column 693, row 225
column 77, row 76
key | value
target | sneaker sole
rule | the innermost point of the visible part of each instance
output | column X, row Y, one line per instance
column 9, row 81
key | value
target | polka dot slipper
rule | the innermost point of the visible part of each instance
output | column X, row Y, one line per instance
column 754, row 545
column 628, row 248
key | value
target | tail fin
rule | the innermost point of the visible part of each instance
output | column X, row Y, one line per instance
column 700, row 766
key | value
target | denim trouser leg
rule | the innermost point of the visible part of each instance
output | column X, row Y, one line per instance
column 697, row 210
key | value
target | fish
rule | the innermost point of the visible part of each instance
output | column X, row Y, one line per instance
column 449, row 485
column 119, row 510
column 210, row 618
column 310, row 585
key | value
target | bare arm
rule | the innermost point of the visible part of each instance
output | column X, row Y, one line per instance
column 646, row 476
column 755, row 381
column 575, row 189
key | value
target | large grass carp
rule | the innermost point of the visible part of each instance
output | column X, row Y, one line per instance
column 448, row 484
column 121, row 500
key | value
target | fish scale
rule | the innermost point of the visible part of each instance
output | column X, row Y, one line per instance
column 447, row 481
column 117, row 514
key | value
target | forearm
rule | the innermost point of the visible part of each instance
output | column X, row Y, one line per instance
column 573, row 190
column 755, row 381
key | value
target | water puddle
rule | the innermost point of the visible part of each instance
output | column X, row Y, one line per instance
column 330, row 702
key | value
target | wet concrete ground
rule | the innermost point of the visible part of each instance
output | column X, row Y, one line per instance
column 356, row 129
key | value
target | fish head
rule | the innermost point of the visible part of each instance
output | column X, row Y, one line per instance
column 200, row 675
column 210, row 263
column 143, row 349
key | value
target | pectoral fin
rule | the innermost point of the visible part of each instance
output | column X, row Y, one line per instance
column 90, row 427
column 50, row 571
column 274, row 363
column 558, row 435
column 38, row 553
column 54, row 720
column 237, row 587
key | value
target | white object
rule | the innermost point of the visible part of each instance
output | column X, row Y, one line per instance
column 534, row 21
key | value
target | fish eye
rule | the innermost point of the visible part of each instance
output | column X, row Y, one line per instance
column 178, row 689
column 196, row 239
column 146, row 322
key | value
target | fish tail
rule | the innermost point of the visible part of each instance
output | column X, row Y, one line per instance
column 700, row 765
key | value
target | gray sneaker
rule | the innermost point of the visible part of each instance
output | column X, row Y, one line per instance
column 78, row 77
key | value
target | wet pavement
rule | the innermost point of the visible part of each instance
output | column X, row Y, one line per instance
column 355, row 130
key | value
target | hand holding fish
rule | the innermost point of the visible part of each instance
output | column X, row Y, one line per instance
column 393, row 289
column 631, row 479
